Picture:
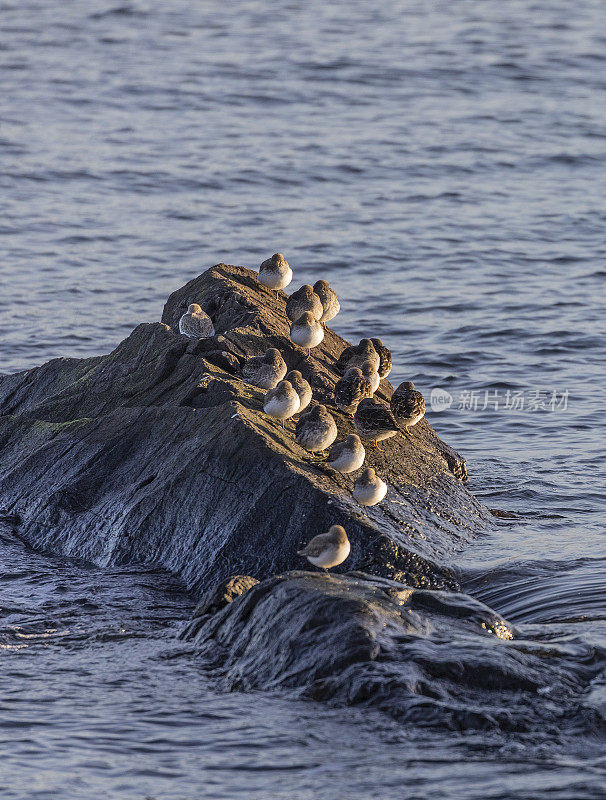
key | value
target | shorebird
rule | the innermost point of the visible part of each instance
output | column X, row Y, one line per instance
column 327, row 549
column 329, row 300
column 196, row 323
column 384, row 357
column 369, row 489
column 350, row 389
column 281, row 402
column 356, row 355
column 374, row 421
column 275, row 272
column 301, row 387
column 265, row 371
column 304, row 299
column 316, row 430
column 306, row 331
column 371, row 375
column 407, row 405
column 347, row 456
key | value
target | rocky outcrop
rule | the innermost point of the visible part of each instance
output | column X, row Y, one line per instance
column 422, row 656
column 159, row 452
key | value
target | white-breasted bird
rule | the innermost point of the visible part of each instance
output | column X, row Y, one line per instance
column 346, row 456
column 275, row 272
column 328, row 549
column 369, row 489
column 306, row 331
column 301, row 387
column 282, row 402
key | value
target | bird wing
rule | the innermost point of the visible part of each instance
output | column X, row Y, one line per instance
column 196, row 325
column 345, row 356
column 382, row 419
column 345, row 391
column 335, row 451
column 317, row 545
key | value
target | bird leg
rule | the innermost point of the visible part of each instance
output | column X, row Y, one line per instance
column 375, row 446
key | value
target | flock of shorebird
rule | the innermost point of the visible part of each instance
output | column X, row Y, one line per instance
column 288, row 393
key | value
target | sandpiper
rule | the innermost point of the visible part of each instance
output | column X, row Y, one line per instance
column 329, row 299
column 301, row 387
column 407, row 405
column 356, row 355
column 306, row 331
column 374, row 421
column 316, row 430
column 196, row 323
column 350, row 389
column 384, row 357
column 265, row 371
column 281, row 402
column 371, row 375
column 304, row 299
column 275, row 272
column 369, row 489
column 347, row 456
column 327, row 549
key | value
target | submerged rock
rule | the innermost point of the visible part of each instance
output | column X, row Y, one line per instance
column 428, row 657
column 160, row 453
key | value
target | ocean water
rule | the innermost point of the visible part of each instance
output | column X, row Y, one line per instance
column 443, row 165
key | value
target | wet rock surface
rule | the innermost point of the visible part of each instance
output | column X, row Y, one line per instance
column 159, row 453
column 422, row 656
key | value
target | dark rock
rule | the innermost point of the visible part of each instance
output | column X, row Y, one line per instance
column 222, row 594
column 158, row 452
column 427, row 657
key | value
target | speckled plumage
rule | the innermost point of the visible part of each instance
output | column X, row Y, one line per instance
column 351, row 389
column 316, row 430
column 384, row 357
column 301, row 387
column 374, row 421
column 371, row 375
column 407, row 405
column 356, row 355
column 275, row 272
column 281, row 402
column 265, row 371
column 328, row 298
column 196, row 323
column 304, row 299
